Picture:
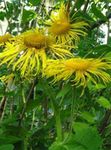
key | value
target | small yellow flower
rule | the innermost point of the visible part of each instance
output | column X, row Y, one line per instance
column 28, row 52
column 5, row 38
column 62, row 27
column 80, row 70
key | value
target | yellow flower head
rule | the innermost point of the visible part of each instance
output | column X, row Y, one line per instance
column 63, row 29
column 5, row 38
column 79, row 70
column 28, row 52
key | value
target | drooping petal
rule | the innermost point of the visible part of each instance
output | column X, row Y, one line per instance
column 80, row 70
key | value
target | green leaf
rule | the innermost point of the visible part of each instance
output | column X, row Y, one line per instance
column 31, row 105
column 66, row 88
column 87, row 136
column 99, row 86
column 75, row 147
column 81, row 15
column 104, row 102
column 88, row 117
column 57, row 146
column 95, row 88
column 101, row 50
column 102, row 47
column 8, row 139
column 7, row 147
column 10, row 8
column 34, row 2
column 28, row 15
column 79, row 3
column 97, row 12
column 108, row 56
column 2, row 15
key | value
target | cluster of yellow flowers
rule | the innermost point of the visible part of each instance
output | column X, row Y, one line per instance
column 47, row 52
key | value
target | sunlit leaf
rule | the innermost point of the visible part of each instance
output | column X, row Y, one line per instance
column 104, row 102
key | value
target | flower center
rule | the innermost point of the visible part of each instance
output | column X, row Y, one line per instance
column 59, row 28
column 37, row 41
column 5, row 38
column 78, row 65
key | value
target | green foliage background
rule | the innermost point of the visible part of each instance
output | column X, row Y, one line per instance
column 32, row 115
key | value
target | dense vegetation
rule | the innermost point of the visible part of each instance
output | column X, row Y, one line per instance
column 55, row 72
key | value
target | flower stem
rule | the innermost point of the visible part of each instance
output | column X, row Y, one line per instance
column 56, row 111
column 73, row 103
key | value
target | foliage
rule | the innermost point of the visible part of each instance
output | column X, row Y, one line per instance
column 36, row 114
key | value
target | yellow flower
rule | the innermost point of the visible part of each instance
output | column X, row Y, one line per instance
column 5, row 38
column 80, row 70
column 62, row 27
column 28, row 52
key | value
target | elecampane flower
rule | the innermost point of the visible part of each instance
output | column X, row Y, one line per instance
column 62, row 27
column 28, row 52
column 80, row 70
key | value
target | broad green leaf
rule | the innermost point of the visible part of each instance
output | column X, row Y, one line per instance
column 87, row 136
column 104, row 102
column 57, row 146
column 75, row 146
column 66, row 146
column 7, row 147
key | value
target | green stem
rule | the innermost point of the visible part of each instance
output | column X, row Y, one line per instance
column 56, row 111
column 73, row 107
column 58, row 125
column 58, row 120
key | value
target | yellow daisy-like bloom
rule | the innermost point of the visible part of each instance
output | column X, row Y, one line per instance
column 63, row 29
column 79, row 69
column 5, row 38
column 28, row 52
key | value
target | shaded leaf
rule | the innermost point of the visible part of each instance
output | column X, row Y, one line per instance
column 66, row 88
column 7, row 147
column 79, row 3
column 8, row 139
column 88, row 117
column 2, row 15
column 28, row 15
column 34, row 2
column 98, row 12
